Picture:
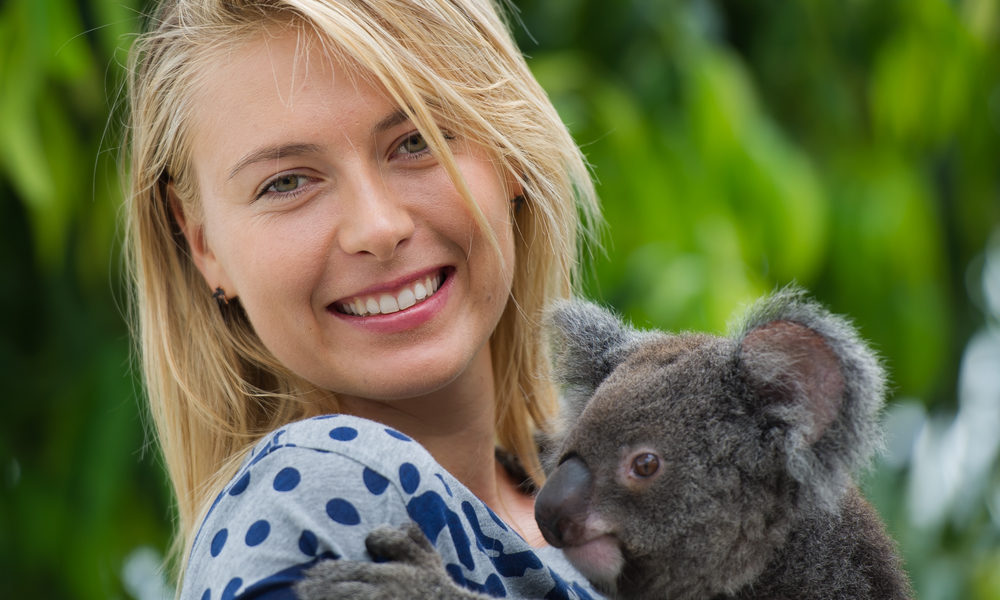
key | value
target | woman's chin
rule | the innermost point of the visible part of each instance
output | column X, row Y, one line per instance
column 409, row 383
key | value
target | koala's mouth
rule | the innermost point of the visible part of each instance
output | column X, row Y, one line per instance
column 599, row 559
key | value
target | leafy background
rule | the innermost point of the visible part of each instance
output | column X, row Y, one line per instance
column 849, row 145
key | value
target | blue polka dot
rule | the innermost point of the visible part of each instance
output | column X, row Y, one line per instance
column 308, row 543
column 375, row 483
column 286, row 479
column 231, row 588
column 409, row 477
column 397, row 435
column 258, row 532
column 343, row 512
column 344, row 434
column 207, row 595
column 218, row 542
column 240, row 486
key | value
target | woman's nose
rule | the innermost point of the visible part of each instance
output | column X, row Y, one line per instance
column 377, row 223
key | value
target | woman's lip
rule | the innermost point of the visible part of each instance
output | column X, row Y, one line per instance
column 383, row 303
column 391, row 286
column 403, row 320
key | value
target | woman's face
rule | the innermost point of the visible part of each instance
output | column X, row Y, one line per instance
column 358, row 263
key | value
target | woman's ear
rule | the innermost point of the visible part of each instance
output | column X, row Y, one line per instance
column 201, row 252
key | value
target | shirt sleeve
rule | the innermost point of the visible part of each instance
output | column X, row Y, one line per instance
column 313, row 490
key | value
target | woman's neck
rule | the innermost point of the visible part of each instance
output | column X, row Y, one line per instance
column 456, row 425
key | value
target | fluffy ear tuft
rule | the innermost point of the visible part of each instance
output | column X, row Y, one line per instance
column 811, row 370
column 588, row 343
column 788, row 365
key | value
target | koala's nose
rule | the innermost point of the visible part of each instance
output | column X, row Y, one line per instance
column 561, row 506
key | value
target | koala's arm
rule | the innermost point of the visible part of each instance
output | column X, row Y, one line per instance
column 875, row 554
column 413, row 570
column 844, row 556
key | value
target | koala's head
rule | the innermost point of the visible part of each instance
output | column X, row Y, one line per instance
column 683, row 460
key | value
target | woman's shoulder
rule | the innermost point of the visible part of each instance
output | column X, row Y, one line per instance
column 344, row 439
column 307, row 491
column 313, row 490
column 338, row 460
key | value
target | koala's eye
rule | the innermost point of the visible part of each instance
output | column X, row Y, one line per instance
column 646, row 464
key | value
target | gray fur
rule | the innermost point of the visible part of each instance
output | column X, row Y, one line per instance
column 757, row 436
column 855, row 436
column 588, row 343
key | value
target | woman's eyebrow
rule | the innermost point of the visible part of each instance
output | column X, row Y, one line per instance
column 273, row 153
column 284, row 150
column 397, row 117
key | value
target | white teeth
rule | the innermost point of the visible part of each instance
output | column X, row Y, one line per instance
column 406, row 299
column 387, row 303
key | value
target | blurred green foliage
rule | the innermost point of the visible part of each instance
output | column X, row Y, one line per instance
column 77, row 491
column 848, row 145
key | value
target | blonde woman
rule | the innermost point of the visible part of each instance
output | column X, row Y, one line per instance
column 345, row 219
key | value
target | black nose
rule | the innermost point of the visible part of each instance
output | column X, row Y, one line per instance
column 561, row 506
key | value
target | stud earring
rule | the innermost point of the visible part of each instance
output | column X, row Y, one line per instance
column 220, row 297
column 518, row 201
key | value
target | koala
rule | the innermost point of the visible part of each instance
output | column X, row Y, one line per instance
column 701, row 467
column 694, row 466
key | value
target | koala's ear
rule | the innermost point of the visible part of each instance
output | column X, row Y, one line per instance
column 588, row 343
column 811, row 370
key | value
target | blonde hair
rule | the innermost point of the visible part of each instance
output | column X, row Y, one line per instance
column 213, row 388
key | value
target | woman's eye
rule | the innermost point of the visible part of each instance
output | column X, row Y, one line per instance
column 286, row 183
column 414, row 144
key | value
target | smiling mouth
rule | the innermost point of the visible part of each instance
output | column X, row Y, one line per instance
column 384, row 303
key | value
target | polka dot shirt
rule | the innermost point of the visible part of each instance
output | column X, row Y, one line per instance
column 314, row 489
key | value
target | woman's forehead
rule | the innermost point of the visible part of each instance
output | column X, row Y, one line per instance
column 272, row 77
column 283, row 59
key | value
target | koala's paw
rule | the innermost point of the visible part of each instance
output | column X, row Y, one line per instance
column 405, row 544
column 414, row 570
